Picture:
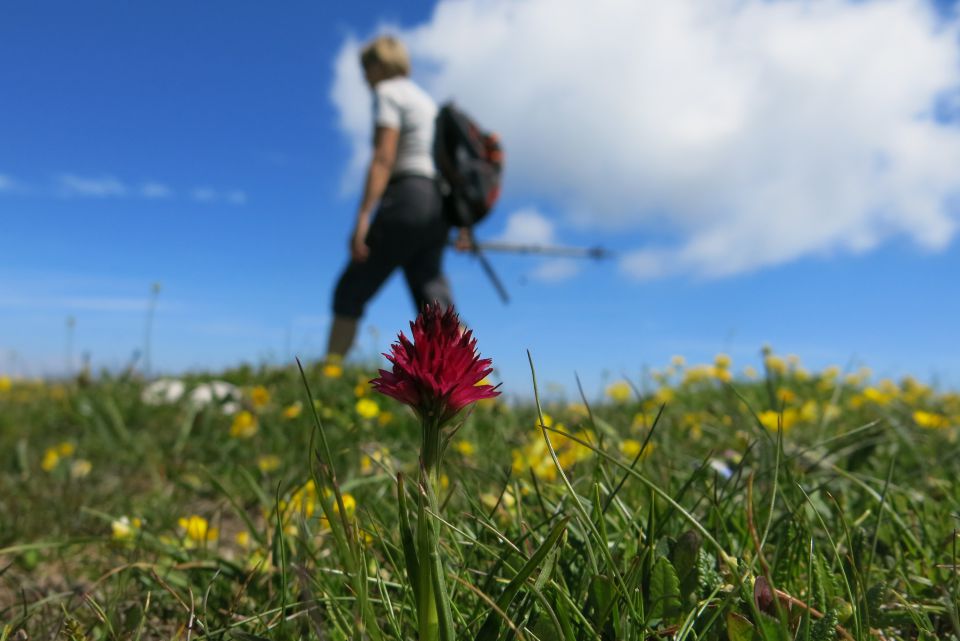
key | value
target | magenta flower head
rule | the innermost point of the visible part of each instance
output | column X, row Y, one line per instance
column 439, row 371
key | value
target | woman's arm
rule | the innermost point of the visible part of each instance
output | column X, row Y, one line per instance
column 378, row 175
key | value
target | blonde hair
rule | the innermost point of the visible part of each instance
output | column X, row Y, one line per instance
column 389, row 54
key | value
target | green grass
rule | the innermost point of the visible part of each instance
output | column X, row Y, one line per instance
column 672, row 510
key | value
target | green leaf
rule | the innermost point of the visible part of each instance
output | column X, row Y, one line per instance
column 491, row 626
column 685, row 556
column 739, row 628
column 664, row 593
column 408, row 542
column 772, row 629
column 601, row 599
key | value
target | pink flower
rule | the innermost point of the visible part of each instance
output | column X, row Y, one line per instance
column 437, row 373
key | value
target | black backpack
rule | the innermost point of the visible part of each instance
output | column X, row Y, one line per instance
column 470, row 162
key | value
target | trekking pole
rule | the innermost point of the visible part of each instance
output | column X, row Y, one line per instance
column 476, row 250
column 597, row 253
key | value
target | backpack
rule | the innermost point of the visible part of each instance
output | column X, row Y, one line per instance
column 470, row 162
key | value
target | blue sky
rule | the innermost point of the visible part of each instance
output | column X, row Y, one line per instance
column 775, row 195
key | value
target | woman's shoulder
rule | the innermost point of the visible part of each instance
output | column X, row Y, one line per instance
column 402, row 89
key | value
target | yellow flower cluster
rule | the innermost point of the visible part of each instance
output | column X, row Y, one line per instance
column 619, row 392
column 195, row 530
column 293, row 410
column 535, row 456
column 63, row 452
column 245, row 425
column 125, row 528
column 367, row 408
column 259, row 396
column 332, row 368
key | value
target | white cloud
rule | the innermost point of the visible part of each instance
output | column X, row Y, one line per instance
column 204, row 195
column 531, row 228
column 103, row 187
column 528, row 227
column 756, row 131
column 555, row 270
column 355, row 117
column 154, row 190
column 236, row 197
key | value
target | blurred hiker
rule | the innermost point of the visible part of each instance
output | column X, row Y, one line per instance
column 408, row 230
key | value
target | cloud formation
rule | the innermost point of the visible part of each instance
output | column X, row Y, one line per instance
column 155, row 190
column 529, row 227
column 72, row 186
column 754, row 132
column 103, row 187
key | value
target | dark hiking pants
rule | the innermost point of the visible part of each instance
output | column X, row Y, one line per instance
column 408, row 231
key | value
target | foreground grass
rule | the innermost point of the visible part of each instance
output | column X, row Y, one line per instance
column 785, row 506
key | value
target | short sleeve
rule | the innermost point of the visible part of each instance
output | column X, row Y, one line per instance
column 386, row 108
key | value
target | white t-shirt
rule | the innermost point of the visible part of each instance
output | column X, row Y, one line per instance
column 400, row 104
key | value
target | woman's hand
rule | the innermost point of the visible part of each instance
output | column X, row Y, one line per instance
column 464, row 241
column 358, row 241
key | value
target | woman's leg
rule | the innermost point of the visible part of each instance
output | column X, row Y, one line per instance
column 357, row 285
column 424, row 274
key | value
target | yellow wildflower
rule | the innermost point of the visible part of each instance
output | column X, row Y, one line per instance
column 349, row 504
column 786, row 395
column 50, row 459
column 303, row 500
column 809, row 411
column 620, row 391
column 385, row 419
column 722, row 374
column 578, row 410
column 775, row 364
column 664, row 395
column 631, row 447
column 853, row 379
column 750, row 372
column 66, row 449
column 698, row 373
column 774, row 420
column 930, row 420
column 196, row 530
column 293, row 410
column 125, row 528
column 547, row 420
column 722, row 361
column 268, row 463
column 244, row 425
column 259, row 396
column 877, row 396
column 678, row 361
column 361, row 389
column 242, row 538
column 367, row 408
column 465, row 447
column 332, row 370
column 5, row 384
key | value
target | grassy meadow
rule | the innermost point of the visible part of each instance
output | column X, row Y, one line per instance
column 705, row 502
